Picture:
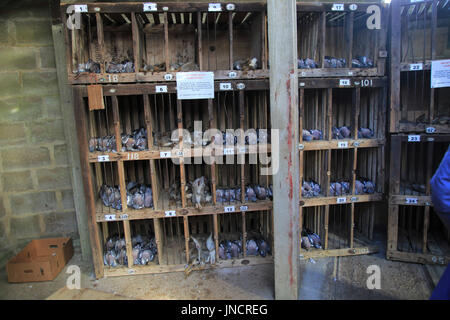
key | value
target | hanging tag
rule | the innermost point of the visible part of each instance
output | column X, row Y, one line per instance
column 95, row 97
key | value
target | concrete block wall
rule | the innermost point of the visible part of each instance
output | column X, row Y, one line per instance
column 36, row 198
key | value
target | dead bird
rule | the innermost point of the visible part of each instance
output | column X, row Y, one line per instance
column 369, row 186
column 120, row 243
column 332, row 62
column 343, row 132
column 117, row 199
column 200, row 192
column 345, row 187
column 250, row 194
column 252, row 248
column 159, row 67
column 92, row 144
column 107, row 195
column 174, row 192
column 135, row 253
column 335, row 189
column 234, row 249
column 126, row 66
column 310, row 189
column 148, row 198
column 198, row 246
column 306, row 135
column 212, row 249
column 90, row 66
column 362, row 62
column 305, row 243
column 417, row 187
column 184, row 67
column 122, row 258
column 316, row 134
column 263, row 246
column 222, row 251
column 146, row 256
column 109, row 259
column 359, row 187
column 307, row 63
column 314, row 239
column 245, row 65
column 261, row 192
column 365, row 133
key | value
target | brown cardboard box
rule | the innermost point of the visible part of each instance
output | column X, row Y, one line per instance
column 40, row 260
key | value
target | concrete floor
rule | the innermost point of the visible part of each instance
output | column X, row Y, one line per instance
column 327, row 278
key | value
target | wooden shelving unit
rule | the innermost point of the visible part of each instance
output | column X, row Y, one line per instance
column 343, row 221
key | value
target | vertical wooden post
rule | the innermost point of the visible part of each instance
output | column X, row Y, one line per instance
column 135, row 29
column 230, row 35
column 101, row 41
column 166, row 41
column 349, row 37
column 199, row 33
column 284, row 101
column 394, row 106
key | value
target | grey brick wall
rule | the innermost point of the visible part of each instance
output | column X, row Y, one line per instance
column 36, row 198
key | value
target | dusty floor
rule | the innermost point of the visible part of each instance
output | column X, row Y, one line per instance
column 328, row 278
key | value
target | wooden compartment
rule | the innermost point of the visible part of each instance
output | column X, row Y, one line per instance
column 164, row 38
column 424, row 32
column 342, row 230
column 412, row 165
column 416, row 234
column 339, row 117
column 419, row 35
column 335, row 40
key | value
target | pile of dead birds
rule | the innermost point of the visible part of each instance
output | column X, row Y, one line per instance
column 139, row 196
column 362, row 62
column 90, row 66
column 136, row 141
column 144, row 251
column 339, row 188
column 310, row 239
column 125, row 66
column 345, row 132
column 307, row 64
column 231, row 249
column 364, row 186
column 197, row 191
column 332, row 62
column 253, row 193
column 313, row 134
column 310, row 189
column 246, row 64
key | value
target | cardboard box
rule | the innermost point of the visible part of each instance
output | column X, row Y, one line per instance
column 40, row 260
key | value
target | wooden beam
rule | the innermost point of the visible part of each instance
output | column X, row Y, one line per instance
column 284, row 101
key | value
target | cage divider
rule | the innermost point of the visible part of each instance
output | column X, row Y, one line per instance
column 137, row 48
column 101, row 41
column 230, row 38
column 166, row 42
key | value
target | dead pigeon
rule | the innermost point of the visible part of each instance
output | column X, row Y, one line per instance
column 245, row 65
column 211, row 248
column 198, row 246
column 109, row 259
column 159, row 67
column 261, row 192
column 250, row 194
column 252, row 248
column 314, row 239
column 122, row 258
column 264, row 248
column 365, row 133
column 146, row 256
column 359, row 187
column 148, row 198
column 306, row 135
column 222, row 252
column 305, row 243
column 316, row 134
column 198, row 189
column 136, row 252
column 369, row 186
column 335, row 189
column 307, row 63
column 332, row 62
column 345, row 132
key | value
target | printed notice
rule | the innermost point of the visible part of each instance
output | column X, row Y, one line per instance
column 440, row 73
column 195, row 85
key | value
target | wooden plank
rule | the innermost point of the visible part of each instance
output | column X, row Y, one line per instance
column 166, row 41
column 80, row 118
column 418, row 258
column 230, row 39
column 101, row 41
column 316, row 254
column 395, row 44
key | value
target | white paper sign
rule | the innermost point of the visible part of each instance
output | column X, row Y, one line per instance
column 195, row 85
column 440, row 73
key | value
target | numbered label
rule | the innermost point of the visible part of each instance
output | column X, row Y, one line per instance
column 150, row 6
column 229, row 209
column 168, row 77
column 303, row 74
column 215, row 7
column 113, row 78
column 232, row 74
column 344, row 82
column 366, row 83
column 243, row 208
column 416, row 66
column 350, row 73
column 413, row 138
column 104, row 158
column 337, row 7
column 411, row 201
column 353, row 7
column 228, row 151
column 123, row 216
column 430, row 130
column 165, row 154
column 231, row 7
column 170, row 213
column 81, row 8
column 225, row 86
column 161, row 89
column 240, row 86
column 132, row 156
column 341, row 200
column 110, row 217
column 343, row 144
column 180, row 153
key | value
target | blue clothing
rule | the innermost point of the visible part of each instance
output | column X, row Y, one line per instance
column 440, row 186
column 440, row 195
